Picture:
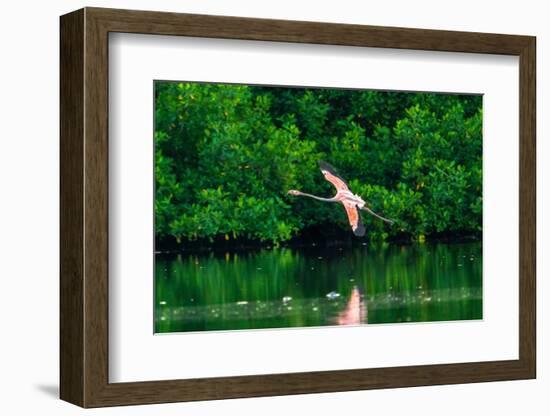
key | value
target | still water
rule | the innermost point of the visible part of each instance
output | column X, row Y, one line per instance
column 284, row 287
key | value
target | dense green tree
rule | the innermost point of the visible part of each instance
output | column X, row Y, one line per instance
column 226, row 155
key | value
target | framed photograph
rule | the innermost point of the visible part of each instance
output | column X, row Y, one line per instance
column 255, row 207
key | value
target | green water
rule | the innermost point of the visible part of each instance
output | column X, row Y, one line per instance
column 279, row 288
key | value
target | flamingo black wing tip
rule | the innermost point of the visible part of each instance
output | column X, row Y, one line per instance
column 327, row 166
column 359, row 231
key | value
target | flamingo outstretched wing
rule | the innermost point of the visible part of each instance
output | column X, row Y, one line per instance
column 330, row 175
column 354, row 219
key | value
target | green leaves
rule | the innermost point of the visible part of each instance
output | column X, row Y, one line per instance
column 226, row 156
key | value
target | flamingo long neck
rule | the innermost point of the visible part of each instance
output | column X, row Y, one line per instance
column 318, row 198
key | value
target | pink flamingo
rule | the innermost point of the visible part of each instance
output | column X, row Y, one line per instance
column 352, row 202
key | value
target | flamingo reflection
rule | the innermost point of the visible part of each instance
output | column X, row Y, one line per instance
column 355, row 312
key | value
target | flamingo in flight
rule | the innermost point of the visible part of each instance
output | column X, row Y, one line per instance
column 352, row 203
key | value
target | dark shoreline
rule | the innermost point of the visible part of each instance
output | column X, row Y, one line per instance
column 167, row 247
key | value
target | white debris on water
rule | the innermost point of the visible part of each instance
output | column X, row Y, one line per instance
column 332, row 295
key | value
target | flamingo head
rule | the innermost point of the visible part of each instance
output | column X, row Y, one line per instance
column 294, row 192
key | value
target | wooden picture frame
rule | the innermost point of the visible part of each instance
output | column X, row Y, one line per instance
column 84, row 207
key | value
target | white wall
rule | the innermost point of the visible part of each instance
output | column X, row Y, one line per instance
column 29, row 209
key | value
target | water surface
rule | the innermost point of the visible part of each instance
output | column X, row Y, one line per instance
column 284, row 287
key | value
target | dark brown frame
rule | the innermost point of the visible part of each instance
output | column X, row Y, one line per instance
column 84, row 210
